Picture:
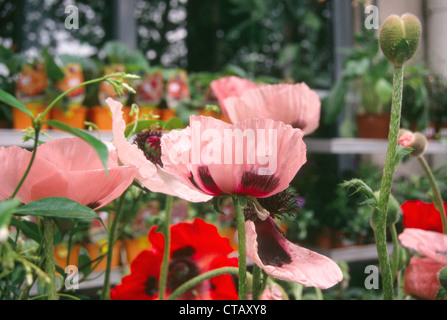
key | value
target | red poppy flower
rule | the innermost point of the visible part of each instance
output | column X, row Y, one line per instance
column 421, row 276
column 421, row 215
column 190, row 256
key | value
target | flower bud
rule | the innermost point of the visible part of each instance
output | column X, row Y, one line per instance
column 399, row 38
column 394, row 211
column 417, row 141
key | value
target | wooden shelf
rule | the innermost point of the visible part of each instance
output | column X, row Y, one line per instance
column 10, row 137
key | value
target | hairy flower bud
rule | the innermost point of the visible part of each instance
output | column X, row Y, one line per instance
column 399, row 38
column 394, row 211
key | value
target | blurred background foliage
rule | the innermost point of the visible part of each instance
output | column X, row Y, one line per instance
column 282, row 39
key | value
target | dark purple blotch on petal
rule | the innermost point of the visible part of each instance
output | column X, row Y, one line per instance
column 207, row 181
column 270, row 251
column 257, row 185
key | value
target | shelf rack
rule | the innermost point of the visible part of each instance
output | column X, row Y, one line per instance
column 10, row 137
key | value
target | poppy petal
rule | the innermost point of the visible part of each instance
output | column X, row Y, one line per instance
column 285, row 260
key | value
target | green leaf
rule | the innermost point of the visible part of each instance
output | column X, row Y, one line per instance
column 64, row 225
column 217, row 204
column 7, row 208
column 173, row 123
column 84, row 262
column 57, row 207
column 400, row 154
column 99, row 146
column 53, row 71
column 29, row 229
column 13, row 102
column 142, row 125
column 362, row 187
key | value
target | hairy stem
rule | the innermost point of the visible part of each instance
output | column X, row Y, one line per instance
column 387, row 181
column 439, row 203
column 165, row 262
column 50, row 266
column 110, row 244
column 240, row 221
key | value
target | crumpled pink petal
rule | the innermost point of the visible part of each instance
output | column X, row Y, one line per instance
column 228, row 87
column 306, row 267
column 294, row 104
column 430, row 244
column 421, row 278
column 67, row 167
column 149, row 175
column 182, row 155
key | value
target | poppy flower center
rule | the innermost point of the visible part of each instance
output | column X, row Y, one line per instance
column 278, row 205
column 181, row 268
column 149, row 141
column 180, row 271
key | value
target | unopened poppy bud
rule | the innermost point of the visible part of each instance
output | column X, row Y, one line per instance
column 394, row 211
column 417, row 141
column 399, row 38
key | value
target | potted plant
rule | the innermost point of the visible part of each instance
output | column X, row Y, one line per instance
column 415, row 104
column 72, row 112
column 437, row 97
column 365, row 90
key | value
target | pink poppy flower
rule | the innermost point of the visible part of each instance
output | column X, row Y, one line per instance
column 294, row 104
column 252, row 157
column 421, row 275
column 267, row 247
column 230, row 86
column 406, row 139
column 67, row 167
column 145, row 154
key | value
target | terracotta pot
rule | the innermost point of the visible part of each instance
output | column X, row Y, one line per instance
column 374, row 126
column 134, row 247
column 74, row 116
column 325, row 239
column 21, row 120
column 102, row 116
column 167, row 114
column 148, row 112
column 97, row 249
column 61, row 254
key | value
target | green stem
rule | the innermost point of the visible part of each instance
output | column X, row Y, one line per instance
column 439, row 203
column 33, row 156
column 395, row 261
column 48, row 109
column 204, row 276
column 165, row 263
column 256, row 283
column 240, row 221
column 50, row 266
column 387, row 181
column 110, row 243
